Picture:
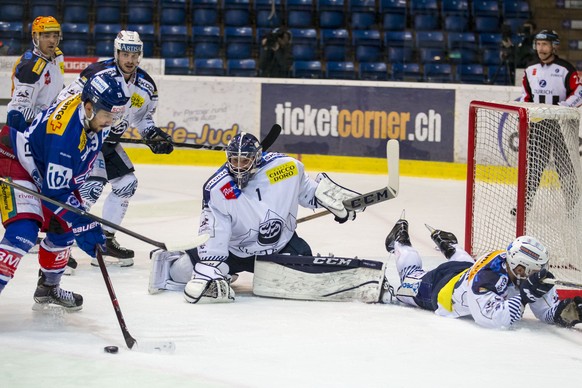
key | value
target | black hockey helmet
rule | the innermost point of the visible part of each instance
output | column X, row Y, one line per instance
column 243, row 153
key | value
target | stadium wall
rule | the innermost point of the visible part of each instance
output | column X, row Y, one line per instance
column 331, row 125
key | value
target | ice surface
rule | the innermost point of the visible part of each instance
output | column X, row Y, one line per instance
column 261, row 342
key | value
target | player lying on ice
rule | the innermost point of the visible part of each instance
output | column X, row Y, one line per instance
column 249, row 209
column 494, row 290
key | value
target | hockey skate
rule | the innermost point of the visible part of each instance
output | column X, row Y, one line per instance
column 444, row 241
column 398, row 233
column 46, row 295
column 122, row 256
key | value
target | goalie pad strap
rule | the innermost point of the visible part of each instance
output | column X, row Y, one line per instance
column 310, row 278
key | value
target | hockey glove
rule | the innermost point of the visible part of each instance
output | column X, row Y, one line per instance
column 330, row 195
column 19, row 120
column 534, row 287
column 158, row 141
column 569, row 312
column 88, row 234
column 210, row 284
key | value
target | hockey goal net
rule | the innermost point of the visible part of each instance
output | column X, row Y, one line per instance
column 524, row 178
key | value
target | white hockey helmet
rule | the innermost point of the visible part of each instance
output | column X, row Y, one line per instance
column 529, row 253
column 128, row 41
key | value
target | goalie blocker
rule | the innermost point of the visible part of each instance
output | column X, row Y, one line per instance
column 323, row 278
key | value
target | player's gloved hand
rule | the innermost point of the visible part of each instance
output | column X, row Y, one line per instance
column 569, row 312
column 88, row 234
column 20, row 120
column 534, row 287
column 158, row 141
column 330, row 195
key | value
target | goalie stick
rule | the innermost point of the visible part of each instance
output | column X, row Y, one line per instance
column 266, row 143
column 198, row 240
column 564, row 283
column 132, row 344
column 373, row 197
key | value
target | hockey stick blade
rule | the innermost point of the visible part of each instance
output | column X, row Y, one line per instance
column 89, row 215
column 564, row 283
column 376, row 196
column 154, row 346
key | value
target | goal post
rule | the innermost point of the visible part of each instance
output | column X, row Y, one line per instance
column 524, row 177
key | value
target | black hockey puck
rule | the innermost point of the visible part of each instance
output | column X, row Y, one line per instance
column 111, row 349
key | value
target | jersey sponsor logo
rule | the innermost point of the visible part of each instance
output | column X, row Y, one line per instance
column 332, row 261
column 39, row 66
column 270, row 231
column 47, row 78
column 543, row 83
column 7, row 209
column 23, row 93
column 230, row 191
column 58, row 177
column 58, row 120
column 501, row 284
column 82, row 141
column 482, row 262
column 221, row 174
column 146, row 85
column 137, row 101
column 10, row 259
column 282, row 172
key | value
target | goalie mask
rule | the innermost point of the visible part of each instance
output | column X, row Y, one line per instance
column 528, row 253
column 243, row 154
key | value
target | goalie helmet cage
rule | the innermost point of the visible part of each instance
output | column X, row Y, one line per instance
column 524, row 178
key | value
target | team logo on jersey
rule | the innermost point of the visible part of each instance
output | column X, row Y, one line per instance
column 136, row 101
column 47, row 78
column 230, row 191
column 58, row 177
column 58, row 120
column 39, row 66
column 282, row 172
column 270, row 232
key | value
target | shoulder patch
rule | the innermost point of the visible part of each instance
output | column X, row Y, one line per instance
column 230, row 190
column 282, row 172
column 59, row 119
column 39, row 66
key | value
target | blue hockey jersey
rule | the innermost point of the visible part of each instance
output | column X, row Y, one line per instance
column 58, row 152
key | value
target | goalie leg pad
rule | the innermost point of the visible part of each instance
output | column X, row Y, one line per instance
column 319, row 278
column 208, row 291
column 162, row 268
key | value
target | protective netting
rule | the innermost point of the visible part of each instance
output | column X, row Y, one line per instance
column 553, row 177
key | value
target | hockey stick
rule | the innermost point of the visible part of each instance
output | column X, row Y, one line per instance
column 266, row 143
column 198, row 240
column 564, row 283
column 376, row 196
column 131, row 342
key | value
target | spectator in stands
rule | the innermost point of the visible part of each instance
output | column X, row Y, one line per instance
column 276, row 56
column 525, row 51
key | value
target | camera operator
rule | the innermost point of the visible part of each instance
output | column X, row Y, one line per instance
column 276, row 57
column 525, row 52
column 508, row 51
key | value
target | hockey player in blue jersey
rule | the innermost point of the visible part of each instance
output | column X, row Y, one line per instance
column 113, row 164
column 494, row 290
column 54, row 156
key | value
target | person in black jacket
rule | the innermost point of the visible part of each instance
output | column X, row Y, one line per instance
column 276, row 56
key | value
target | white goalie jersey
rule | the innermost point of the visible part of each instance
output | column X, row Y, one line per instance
column 261, row 218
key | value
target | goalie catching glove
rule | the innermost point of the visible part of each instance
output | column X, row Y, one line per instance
column 330, row 195
column 209, row 284
column 569, row 312
column 158, row 141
